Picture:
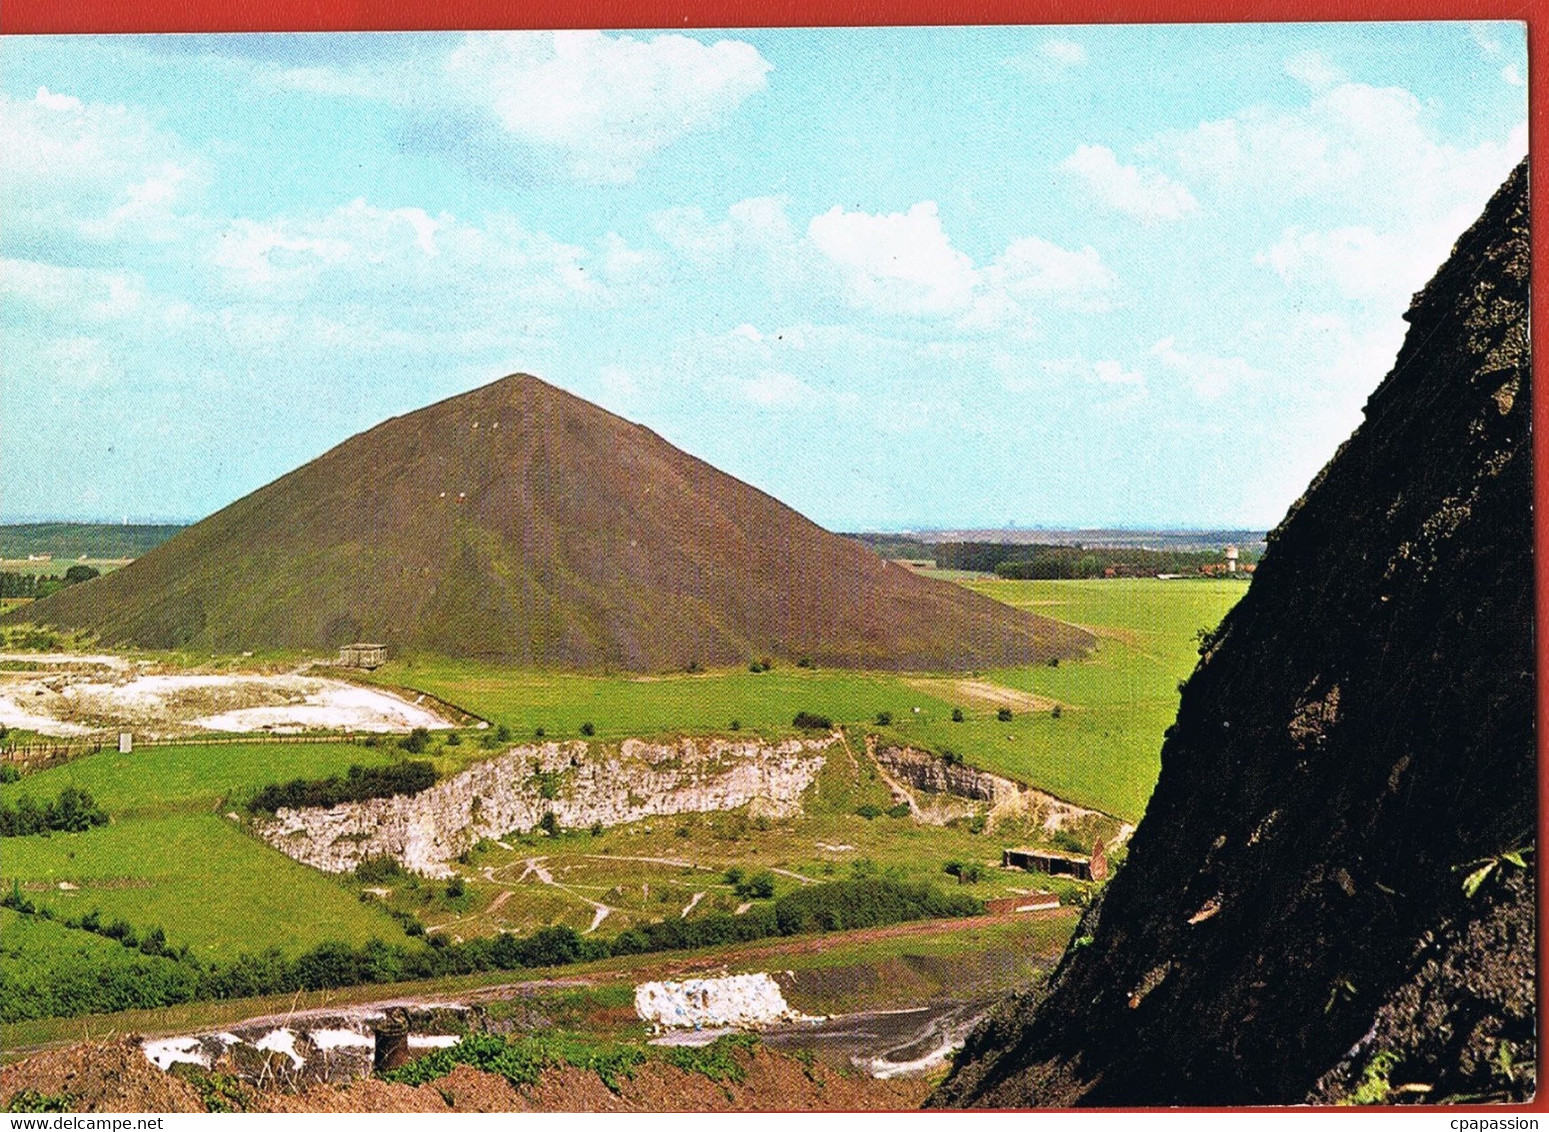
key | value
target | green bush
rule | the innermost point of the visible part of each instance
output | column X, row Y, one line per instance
column 884, row 718
column 901, row 810
column 378, row 869
column 868, row 810
column 957, row 715
column 72, row 811
column 358, row 784
column 588, row 729
column 809, row 721
column 1004, row 715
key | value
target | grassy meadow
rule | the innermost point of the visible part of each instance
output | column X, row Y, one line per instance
column 1101, row 752
column 1089, row 731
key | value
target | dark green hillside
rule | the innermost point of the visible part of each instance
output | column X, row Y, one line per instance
column 519, row 523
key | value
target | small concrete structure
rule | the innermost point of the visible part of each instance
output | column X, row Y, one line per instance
column 1052, row 862
column 125, row 742
column 361, row 655
column 1027, row 902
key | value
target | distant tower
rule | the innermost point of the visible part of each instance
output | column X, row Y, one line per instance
column 1231, row 560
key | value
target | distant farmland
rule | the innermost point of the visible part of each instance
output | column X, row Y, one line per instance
column 94, row 540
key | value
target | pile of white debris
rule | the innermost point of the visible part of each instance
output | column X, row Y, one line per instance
column 730, row 1000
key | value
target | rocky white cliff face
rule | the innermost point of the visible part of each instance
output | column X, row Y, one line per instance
column 943, row 781
column 579, row 783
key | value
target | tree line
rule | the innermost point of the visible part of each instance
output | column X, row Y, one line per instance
column 359, row 783
column 72, row 811
column 17, row 584
column 163, row 976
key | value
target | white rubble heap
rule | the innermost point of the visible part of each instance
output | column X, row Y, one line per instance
column 730, row 1000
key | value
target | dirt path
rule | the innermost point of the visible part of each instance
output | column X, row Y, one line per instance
column 673, row 861
column 535, row 868
column 982, row 692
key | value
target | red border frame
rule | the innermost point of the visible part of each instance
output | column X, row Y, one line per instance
column 56, row 17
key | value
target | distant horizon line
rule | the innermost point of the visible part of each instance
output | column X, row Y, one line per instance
column 899, row 531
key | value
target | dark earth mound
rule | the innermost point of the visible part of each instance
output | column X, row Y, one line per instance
column 520, row 523
column 1331, row 895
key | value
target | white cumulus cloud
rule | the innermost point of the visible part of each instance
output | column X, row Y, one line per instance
column 1147, row 194
column 605, row 103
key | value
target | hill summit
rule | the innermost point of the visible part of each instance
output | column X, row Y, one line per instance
column 520, row 523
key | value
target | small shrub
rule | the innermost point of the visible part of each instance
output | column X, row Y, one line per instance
column 736, row 725
column 30, row 1100
column 455, row 888
column 588, row 729
column 1054, row 662
column 957, row 715
column 550, row 824
column 597, row 829
column 869, row 811
column 416, row 741
column 809, row 721
column 901, row 810
column 884, row 718
column 538, row 733
column 759, row 886
column 503, row 734
column 1054, row 713
column 1004, row 715
column 453, row 739
column 804, row 662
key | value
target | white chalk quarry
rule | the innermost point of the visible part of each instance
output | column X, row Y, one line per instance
column 730, row 1000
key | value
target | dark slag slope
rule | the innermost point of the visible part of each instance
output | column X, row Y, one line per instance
column 1358, row 738
column 518, row 522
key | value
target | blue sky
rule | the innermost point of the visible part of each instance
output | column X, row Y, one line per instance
column 897, row 278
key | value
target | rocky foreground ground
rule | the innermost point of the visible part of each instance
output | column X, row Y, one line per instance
column 116, row 1077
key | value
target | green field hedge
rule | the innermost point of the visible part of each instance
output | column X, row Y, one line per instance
column 97, row 979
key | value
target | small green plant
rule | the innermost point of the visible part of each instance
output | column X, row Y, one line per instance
column 588, row 729
column 811, row 721
column 719, row 1060
column 868, row 810
column 597, row 829
column 1004, row 715
column 884, row 719
column 218, row 1092
column 957, row 715
column 549, row 824
column 455, row 888
column 1054, row 713
column 502, row 734
column 416, row 741
column 759, row 886
column 735, row 725
column 1376, row 1083
column 30, row 1100
column 453, row 739
column 804, row 662
column 762, row 664
column 1482, row 869
column 901, row 810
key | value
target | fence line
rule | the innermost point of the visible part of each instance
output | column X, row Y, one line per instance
column 39, row 756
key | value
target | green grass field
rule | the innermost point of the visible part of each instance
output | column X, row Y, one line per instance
column 171, row 859
column 1102, row 751
column 200, row 878
column 194, row 778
